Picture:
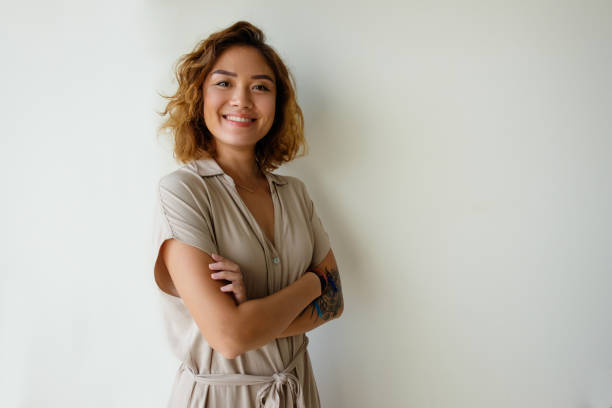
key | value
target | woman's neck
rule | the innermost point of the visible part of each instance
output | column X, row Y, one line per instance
column 240, row 167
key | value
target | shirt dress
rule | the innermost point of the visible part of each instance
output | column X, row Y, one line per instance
column 198, row 204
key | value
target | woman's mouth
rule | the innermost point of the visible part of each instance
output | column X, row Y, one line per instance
column 238, row 120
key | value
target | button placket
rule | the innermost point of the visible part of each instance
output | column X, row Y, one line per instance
column 277, row 222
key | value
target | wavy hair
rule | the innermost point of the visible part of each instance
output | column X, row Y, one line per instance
column 184, row 113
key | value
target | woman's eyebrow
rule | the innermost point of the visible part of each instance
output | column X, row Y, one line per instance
column 224, row 72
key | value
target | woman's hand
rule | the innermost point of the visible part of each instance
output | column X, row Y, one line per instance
column 229, row 271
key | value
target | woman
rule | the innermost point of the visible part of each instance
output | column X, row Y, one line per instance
column 242, row 261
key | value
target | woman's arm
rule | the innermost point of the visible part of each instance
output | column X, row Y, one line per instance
column 330, row 303
column 229, row 328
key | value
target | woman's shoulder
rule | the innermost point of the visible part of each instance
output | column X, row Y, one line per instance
column 185, row 183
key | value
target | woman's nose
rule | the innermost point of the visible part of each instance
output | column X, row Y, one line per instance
column 241, row 98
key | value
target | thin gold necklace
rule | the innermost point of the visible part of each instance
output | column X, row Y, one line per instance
column 246, row 188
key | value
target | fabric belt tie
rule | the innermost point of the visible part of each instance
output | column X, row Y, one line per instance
column 269, row 396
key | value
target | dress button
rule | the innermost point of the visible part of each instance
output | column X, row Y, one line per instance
column 276, row 260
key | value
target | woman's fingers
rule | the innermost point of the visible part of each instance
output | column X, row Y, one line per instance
column 217, row 257
column 224, row 269
column 228, row 288
column 227, row 275
column 224, row 265
column 239, row 292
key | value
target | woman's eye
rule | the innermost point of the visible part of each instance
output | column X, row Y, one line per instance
column 261, row 87
column 222, row 82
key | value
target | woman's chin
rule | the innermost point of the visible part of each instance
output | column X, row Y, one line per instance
column 237, row 142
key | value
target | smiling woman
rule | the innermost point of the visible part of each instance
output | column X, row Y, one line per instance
column 242, row 261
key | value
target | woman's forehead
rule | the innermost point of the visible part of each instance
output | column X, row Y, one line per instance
column 242, row 60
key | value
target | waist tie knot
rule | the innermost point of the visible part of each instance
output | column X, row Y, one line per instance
column 280, row 378
column 269, row 396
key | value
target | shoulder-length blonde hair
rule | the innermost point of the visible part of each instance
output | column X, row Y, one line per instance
column 185, row 110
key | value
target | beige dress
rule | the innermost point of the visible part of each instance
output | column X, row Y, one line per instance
column 198, row 204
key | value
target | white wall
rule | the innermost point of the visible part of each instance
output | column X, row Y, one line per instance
column 460, row 159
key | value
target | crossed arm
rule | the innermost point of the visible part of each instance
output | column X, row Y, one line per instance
column 233, row 329
column 326, row 307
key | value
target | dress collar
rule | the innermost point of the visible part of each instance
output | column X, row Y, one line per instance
column 209, row 167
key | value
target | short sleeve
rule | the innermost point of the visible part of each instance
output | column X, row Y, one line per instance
column 183, row 213
column 321, row 241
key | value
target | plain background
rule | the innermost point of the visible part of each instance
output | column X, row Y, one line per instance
column 460, row 160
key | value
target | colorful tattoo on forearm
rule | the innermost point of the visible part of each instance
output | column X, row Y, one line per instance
column 330, row 301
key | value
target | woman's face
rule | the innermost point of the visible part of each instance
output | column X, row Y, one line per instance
column 239, row 98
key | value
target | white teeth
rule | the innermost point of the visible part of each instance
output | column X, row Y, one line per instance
column 238, row 119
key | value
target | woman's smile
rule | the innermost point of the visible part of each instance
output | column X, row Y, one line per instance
column 240, row 121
